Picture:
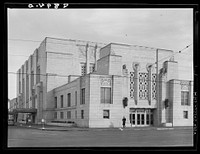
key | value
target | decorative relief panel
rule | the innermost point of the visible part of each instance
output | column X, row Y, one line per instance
column 143, row 85
column 132, row 85
column 105, row 82
column 153, row 86
column 185, row 85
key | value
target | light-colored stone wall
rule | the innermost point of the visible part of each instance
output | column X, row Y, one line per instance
column 178, row 119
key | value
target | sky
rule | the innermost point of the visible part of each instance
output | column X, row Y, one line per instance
column 160, row 28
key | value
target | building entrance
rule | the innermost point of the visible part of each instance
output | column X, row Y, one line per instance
column 141, row 117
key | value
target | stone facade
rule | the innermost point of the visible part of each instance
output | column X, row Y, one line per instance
column 123, row 83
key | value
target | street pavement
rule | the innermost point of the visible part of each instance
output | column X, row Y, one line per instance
column 51, row 136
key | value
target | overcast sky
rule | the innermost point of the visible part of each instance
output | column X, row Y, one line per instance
column 160, row 28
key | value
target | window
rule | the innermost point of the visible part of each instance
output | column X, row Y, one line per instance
column 185, row 114
column 68, row 114
column 106, row 114
column 138, row 119
column 82, row 114
column 55, row 115
column 37, row 56
column 38, row 74
column 69, row 99
column 27, row 88
column 55, row 102
column 184, row 98
column 61, row 101
column 19, row 86
column 147, row 119
column 83, row 69
column 105, row 95
column 83, row 96
column 92, row 68
column 75, row 98
column 32, row 79
column 31, row 58
column 61, row 115
column 76, row 114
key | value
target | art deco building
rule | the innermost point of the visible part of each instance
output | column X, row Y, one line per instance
column 96, row 85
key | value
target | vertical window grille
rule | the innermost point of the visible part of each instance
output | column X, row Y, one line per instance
column 143, row 85
column 83, row 69
column 132, row 85
column 153, row 86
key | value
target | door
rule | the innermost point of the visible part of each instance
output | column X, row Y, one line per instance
column 132, row 118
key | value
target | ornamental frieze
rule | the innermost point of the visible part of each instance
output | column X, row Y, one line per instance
column 105, row 82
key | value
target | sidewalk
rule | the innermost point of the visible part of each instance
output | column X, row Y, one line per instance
column 63, row 128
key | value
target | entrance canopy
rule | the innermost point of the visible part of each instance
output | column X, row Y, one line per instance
column 25, row 110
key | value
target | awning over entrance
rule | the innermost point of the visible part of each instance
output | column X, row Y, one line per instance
column 25, row 110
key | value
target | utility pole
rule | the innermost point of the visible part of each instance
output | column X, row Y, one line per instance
column 157, row 89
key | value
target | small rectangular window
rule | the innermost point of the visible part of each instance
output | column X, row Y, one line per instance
column 185, row 114
column 82, row 114
column 106, row 114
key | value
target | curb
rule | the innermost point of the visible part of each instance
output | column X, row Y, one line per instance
column 103, row 129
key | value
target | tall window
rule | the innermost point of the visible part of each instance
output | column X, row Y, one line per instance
column 61, row 101
column 37, row 56
column 38, row 74
column 55, row 115
column 184, row 98
column 105, row 95
column 68, row 114
column 82, row 114
column 31, row 57
column 32, row 79
column 76, row 114
column 83, row 69
column 61, row 115
column 27, row 87
column 75, row 98
column 106, row 114
column 83, row 96
column 69, row 99
column 55, row 102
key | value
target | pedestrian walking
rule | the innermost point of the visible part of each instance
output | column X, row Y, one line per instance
column 124, row 122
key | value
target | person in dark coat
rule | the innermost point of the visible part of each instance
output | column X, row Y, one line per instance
column 124, row 122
